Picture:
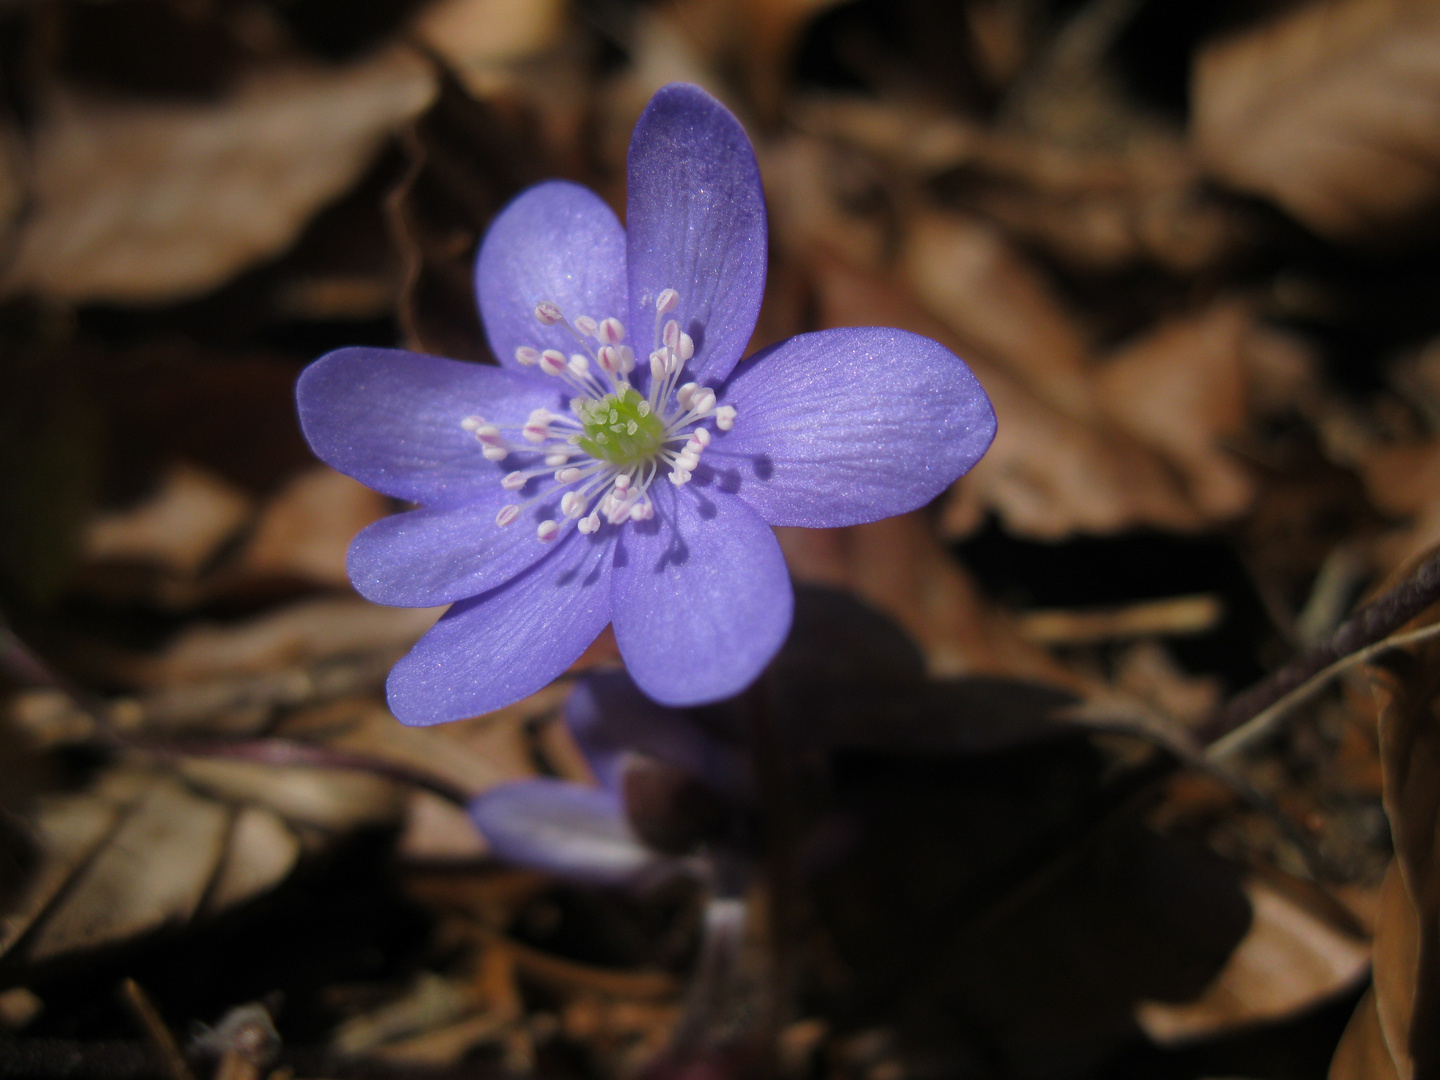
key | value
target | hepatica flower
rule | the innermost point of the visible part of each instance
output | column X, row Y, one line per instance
column 622, row 465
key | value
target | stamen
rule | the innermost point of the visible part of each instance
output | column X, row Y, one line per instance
column 515, row 481
column 586, row 325
column 588, row 525
column 725, row 417
column 667, row 301
column 612, row 331
column 527, row 356
column 506, row 515
column 547, row 530
column 552, row 362
column 579, row 365
column 470, row 423
column 574, row 504
column 548, row 313
column 685, row 393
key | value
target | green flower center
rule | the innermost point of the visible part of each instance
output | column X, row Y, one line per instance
column 619, row 428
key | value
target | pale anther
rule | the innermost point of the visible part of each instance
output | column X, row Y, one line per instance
column 612, row 331
column 573, row 504
column 514, row 481
column 527, row 356
column 586, row 325
column 556, row 458
column 579, row 365
column 506, row 515
column 568, row 476
column 666, row 301
column 671, row 334
column 548, row 313
column 552, row 362
column 495, row 453
column 686, row 349
column 685, row 393
column 703, row 400
column 725, row 417
column 701, row 436
column 470, row 423
column 547, row 530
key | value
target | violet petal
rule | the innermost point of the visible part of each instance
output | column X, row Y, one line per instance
column 575, row 832
column 701, row 596
column 696, row 223
column 430, row 557
column 392, row 420
column 505, row 644
column 556, row 241
column 844, row 426
column 609, row 717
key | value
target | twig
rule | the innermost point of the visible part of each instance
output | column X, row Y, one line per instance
column 1369, row 626
column 149, row 1019
column 1263, row 722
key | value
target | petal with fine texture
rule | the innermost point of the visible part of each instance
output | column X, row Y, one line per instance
column 695, row 222
column 556, row 241
column 392, row 420
column 701, row 597
column 426, row 558
column 844, row 426
column 575, row 832
column 503, row 645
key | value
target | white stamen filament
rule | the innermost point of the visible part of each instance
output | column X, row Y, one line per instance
column 605, row 489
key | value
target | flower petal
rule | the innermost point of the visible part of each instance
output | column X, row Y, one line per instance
column 556, row 241
column 575, row 832
column 392, row 420
column 609, row 717
column 496, row 648
column 701, row 598
column 696, row 223
column 852, row 425
column 430, row 557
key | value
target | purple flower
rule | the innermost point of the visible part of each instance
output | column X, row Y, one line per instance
column 619, row 467
column 585, row 834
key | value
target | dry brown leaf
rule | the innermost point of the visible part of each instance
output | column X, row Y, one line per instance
column 331, row 799
column 483, row 39
column 143, row 202
column 967, row 274
column 1329, row 109
column 1362, row 1053
column 471, row 755
column 436, row 830
column 301, row 633
column 68, row 829
column 260, row 854
column 1397, row 1030
column 1181, row 388
column 306, row 529
column 154, row 870
column 899, row 566
column 1288, row 961
column 178, row 528
column 1404, row 481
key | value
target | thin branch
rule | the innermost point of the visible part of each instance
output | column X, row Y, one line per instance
column 1369, row 626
